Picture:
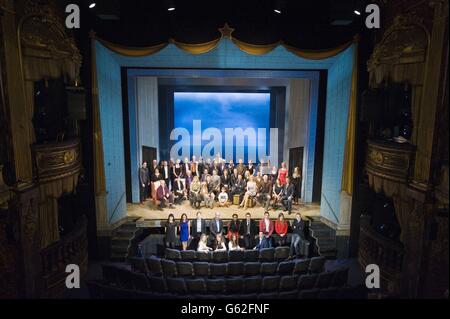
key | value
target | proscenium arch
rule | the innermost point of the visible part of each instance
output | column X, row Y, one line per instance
column 225, row 57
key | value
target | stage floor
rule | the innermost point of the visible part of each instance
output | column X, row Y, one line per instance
column 150, row 216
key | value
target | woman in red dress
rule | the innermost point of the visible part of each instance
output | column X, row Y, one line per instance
column 282, row 173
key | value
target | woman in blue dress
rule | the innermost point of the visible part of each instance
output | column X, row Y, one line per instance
column 184, row 231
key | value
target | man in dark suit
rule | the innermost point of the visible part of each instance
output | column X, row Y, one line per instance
column 238, row 187
column 144, row 180
column 215, row 227
column 198, row 227
column 179, row 191
column 298, row 241
column 153, row 167
column 288, row 195
column 247, row 231
column 165, row 172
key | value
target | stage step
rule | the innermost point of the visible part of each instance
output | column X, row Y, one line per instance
column 325, row 238
column 122, row 239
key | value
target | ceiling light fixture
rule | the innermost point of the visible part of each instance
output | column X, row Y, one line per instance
column 92, row 5
column 170, row 5
column 279, row 7
column 357, row 12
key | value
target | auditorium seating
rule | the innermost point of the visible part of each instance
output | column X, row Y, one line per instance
column 281, row 253
column 164, row 278
column 233, row 288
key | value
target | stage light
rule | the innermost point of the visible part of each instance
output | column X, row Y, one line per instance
column 357, row 12
column 170, row 5
column 279, row 7
column 92, row 5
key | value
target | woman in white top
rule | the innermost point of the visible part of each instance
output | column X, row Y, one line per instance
column 202, row 244
column 251, row 191
column 233, row 244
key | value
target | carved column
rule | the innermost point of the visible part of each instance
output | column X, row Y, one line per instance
column 20, row 126
column 430, row 94
column 103, row 226
column 25, row 218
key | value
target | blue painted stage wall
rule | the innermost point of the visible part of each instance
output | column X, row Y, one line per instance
column 336, row 118
column 111, row 117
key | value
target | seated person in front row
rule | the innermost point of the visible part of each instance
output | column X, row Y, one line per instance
column 163, row 195
column 298, row 236
column 250, row 193
column 233, row 243
column 281, row 228
column 222, row 199
column 195, row 195
column 219, row 243
column 267, row 228
column 202, row 244
column 262, row 242
column 179, row 191
column 247, row 231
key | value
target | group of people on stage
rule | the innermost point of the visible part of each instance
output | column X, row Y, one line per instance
column 216, row 182
column 237, row 235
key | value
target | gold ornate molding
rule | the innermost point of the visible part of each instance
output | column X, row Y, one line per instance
column 43, row 36
column 56, row 161
column 405, row 41
column 389, row 160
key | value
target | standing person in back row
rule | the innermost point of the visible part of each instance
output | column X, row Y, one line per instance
column 144, row 179
column 282, row 173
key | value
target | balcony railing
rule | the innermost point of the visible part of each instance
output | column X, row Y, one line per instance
column 374, row 248
column 71, row 249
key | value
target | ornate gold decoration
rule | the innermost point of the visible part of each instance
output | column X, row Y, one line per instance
column 70, row 156
column 405, row 41
column 389, row 160
column 47, row 48
column 55, row 161
column 226, row 31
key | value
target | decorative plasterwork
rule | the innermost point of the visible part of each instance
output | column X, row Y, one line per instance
column 43, row 36
column 56, row 161
column 405, row 41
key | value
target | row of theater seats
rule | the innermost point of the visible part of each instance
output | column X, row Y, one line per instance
column 264, row 255
column 132, row 284
column 155, row 266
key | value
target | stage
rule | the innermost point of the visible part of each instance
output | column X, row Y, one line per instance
column 150, row 216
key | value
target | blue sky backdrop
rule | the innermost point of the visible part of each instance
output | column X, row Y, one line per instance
column 222, row 110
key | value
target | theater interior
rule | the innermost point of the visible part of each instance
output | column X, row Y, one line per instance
column 358, row 102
